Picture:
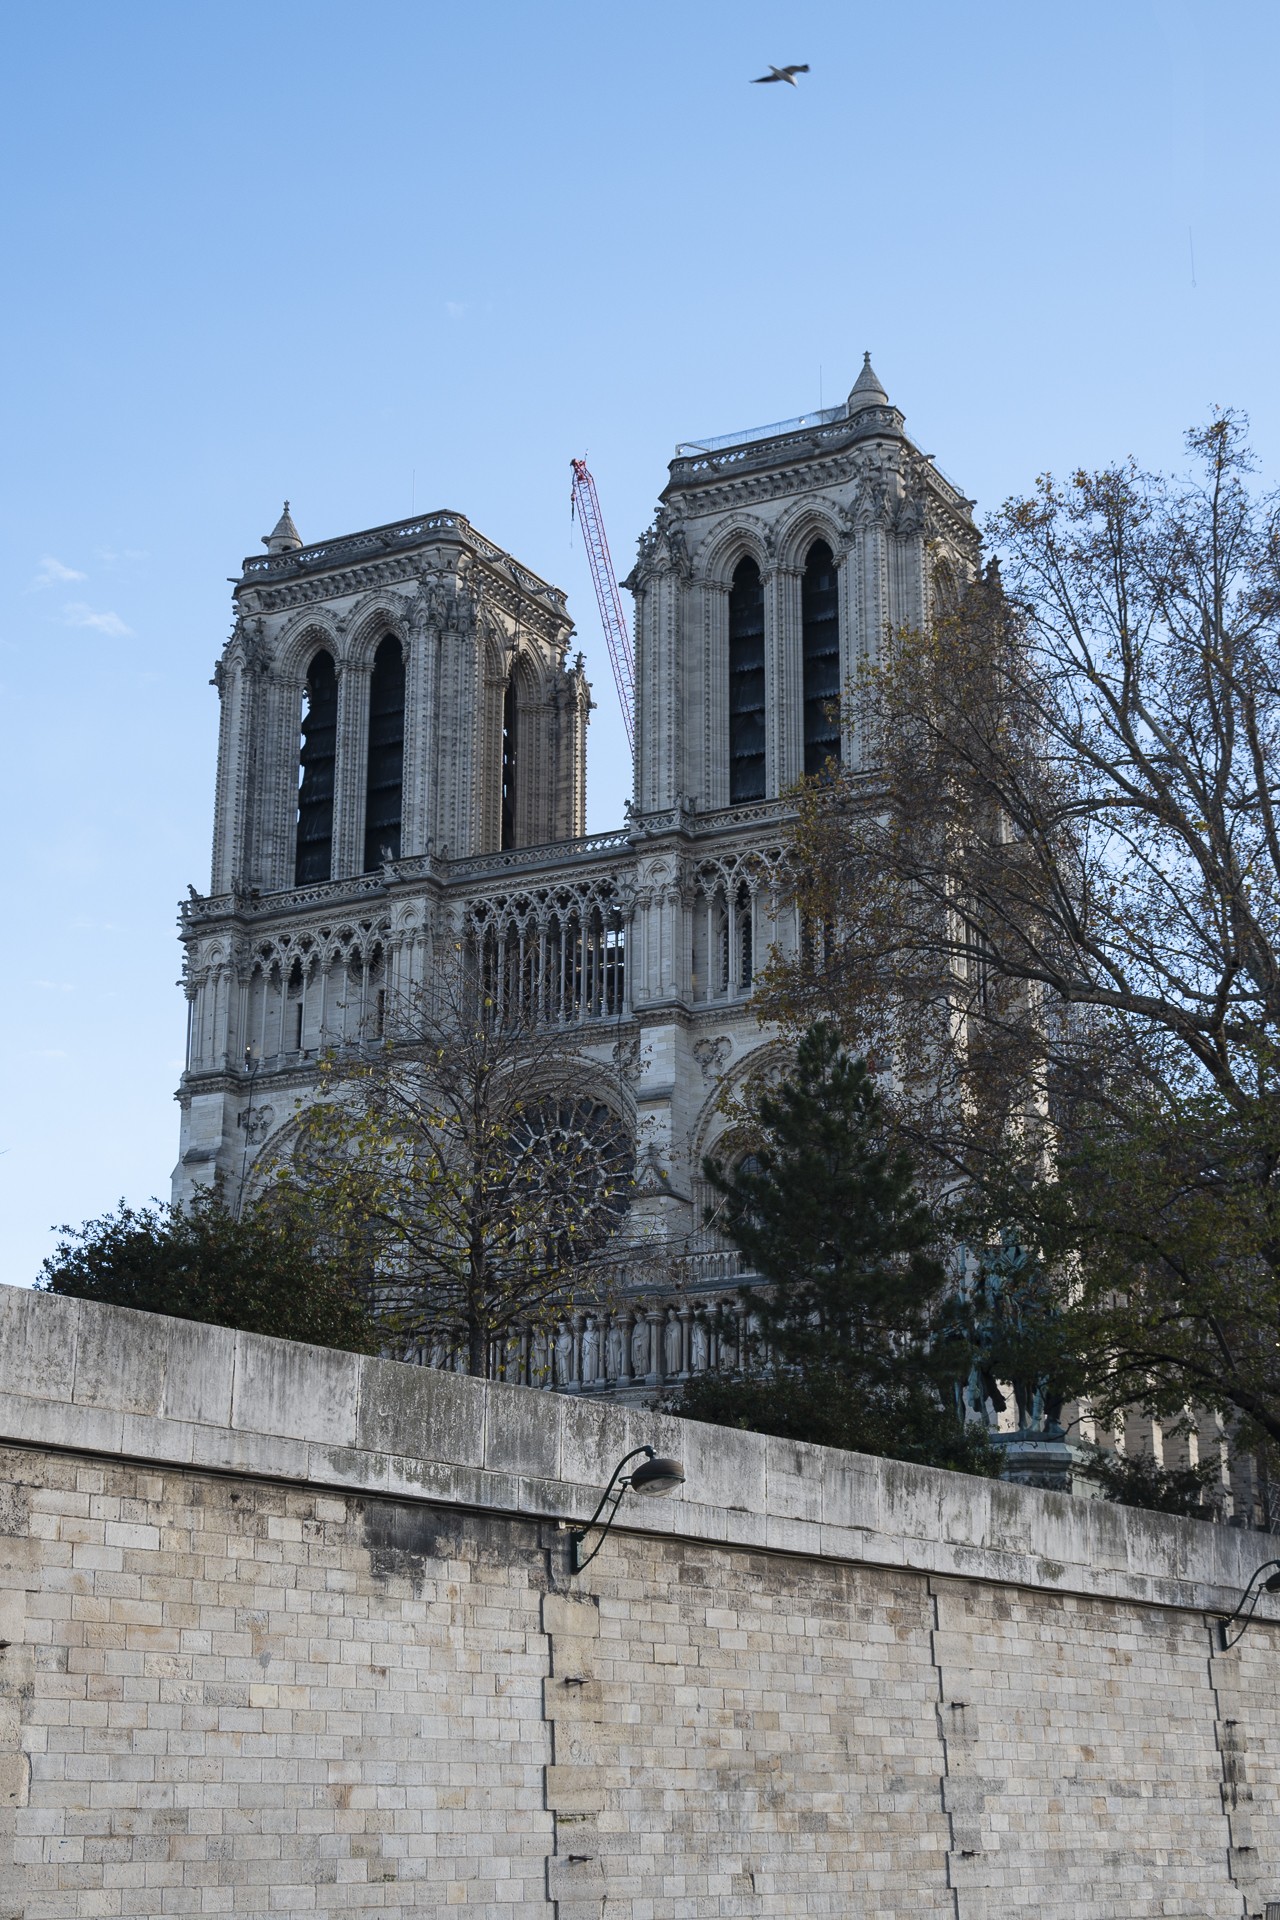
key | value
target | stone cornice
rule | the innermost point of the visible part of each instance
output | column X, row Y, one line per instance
column 735, row 489
column 398, row 555
column 87, row 1379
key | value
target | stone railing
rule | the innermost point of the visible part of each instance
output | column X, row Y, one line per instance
column 556, row 853
column 640, row 1345
column 644, row 1336
column 767, row 448
column 747, row 436
column 252, row 905
column 689, row 819
column 249, row 904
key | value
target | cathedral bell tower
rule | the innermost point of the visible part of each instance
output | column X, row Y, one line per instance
column 780, row 559
column 392, row 702
column 402, row 762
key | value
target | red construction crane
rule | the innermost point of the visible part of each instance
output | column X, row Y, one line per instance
column 586, row 501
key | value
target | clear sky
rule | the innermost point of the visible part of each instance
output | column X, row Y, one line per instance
column 402, row 255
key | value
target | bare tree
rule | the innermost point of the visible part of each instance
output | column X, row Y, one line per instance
column 1051, row 904
column 475, row 1155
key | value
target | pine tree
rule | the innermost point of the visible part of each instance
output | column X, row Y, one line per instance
column 828, row 1215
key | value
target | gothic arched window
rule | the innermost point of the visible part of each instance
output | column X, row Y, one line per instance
column 746, row 684
column 820, row 631
column 510, row 717
column 385, row 786
column 314, row 857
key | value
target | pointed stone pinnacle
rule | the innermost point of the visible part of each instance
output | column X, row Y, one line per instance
column 284, row 536
column 867, row 391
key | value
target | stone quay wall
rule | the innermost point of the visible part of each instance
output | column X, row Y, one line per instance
column 285, row 1631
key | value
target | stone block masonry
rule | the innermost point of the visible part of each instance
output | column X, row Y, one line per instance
column 292, row 1632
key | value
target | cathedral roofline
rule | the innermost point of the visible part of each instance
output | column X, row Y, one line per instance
column 785, row 444
column 443, row 527
column 865, row 392
column 867, row 415
column 794, row 458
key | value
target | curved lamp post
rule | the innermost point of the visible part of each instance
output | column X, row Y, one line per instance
column 658, row 1474
column 1248, row 1602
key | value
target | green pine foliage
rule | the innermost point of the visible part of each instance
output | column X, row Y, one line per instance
column 904, row 1422
column 260, row 1272
column 827, row 1212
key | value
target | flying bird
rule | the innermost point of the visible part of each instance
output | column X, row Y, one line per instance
column 779, row 73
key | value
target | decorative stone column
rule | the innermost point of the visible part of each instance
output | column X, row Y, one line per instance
column 350, row 774
column 784, row 696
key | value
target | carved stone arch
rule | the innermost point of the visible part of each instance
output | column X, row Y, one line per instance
column 491, row 633
column 600, row 1080
column 525, row 673
column 276, row 1153
column 767, row 1060
column 800, row 526
column 300, row 640
column 746, row 536
column 369, row 622
column 726, row 1143
column 944, row 592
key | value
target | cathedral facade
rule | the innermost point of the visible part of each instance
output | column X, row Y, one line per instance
column 402, row 763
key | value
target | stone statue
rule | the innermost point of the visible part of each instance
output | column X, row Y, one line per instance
column 593, row 1357
column 672, row 1355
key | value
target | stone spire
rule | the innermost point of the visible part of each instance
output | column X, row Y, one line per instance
column 284, row 536
column 867, row 391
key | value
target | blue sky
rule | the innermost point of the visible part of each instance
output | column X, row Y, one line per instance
column 401, row 255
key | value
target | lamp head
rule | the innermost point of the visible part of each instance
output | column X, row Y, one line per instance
column 1273, row 1584
column 658, row 1474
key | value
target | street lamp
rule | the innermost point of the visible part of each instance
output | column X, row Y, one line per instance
column 1248, row 1599
column 657, row 1475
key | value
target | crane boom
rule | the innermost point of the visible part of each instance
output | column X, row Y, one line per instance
column 616, row 631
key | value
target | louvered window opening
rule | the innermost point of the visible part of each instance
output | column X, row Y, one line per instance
column 385, row 790
column 820, row 628
column 746, row 684
column 314, row 856
column 510, row 722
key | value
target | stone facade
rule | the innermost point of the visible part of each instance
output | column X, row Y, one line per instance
column 293, row 1632
column 643, row 943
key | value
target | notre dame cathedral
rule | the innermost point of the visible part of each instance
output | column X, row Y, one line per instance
column 402, row 760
